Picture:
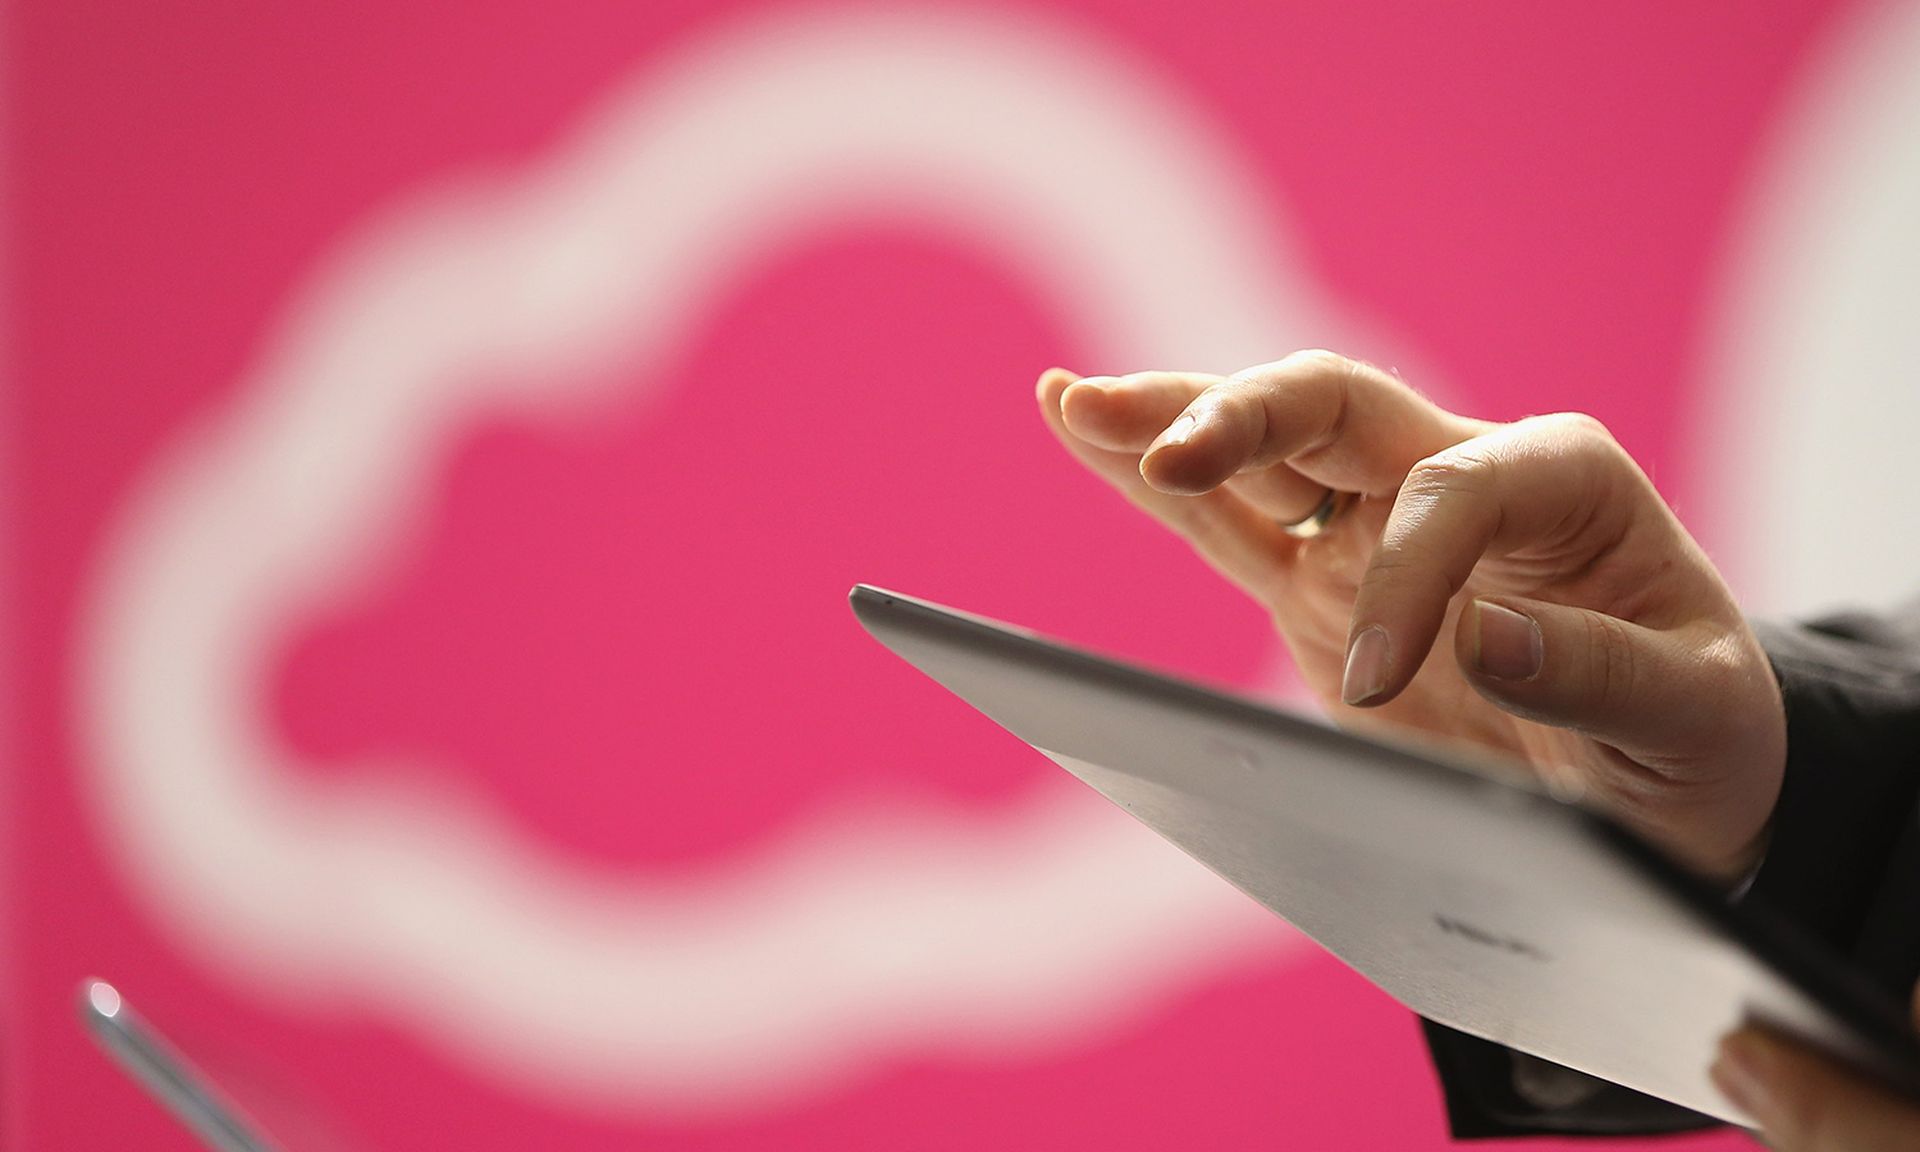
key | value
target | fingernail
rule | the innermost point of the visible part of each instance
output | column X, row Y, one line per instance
column 1740, row 1072
column 1506, row 644
column 1366, row 672
column 1178, row 432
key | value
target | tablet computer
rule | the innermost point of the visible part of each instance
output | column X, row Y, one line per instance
column 1463, row 889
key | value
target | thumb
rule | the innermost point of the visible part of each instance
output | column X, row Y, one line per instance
column 1647, row 693
column 1804, row 1102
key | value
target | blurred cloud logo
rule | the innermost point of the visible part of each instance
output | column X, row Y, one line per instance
column 760, row 980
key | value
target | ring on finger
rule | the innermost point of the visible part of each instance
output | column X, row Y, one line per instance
column 1320, row 519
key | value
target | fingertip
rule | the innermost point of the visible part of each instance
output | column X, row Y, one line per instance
column 1176, row 471
column 1158, row 474
column 1382, row 697
column 1052, row 383
column 1740, row 1038
column 1504, row 644
column 1083, row 405
column 1364, row 682
column 1747, row 1071
column 1178, row 461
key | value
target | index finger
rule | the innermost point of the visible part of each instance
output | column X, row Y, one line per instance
column 1337, row 421
column 1537, row 483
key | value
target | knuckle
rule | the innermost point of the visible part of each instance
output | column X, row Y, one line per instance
column 1241, row 386
column 1461, row 468
column 1237, row 399
column 1612, row 668
column 1405, row 572
column 1312, row 381
column 1585, row 425
column 1317, row 358
column 1584, row 432
column 1722, row 658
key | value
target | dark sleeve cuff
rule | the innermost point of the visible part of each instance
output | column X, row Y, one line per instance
column 1848, row 799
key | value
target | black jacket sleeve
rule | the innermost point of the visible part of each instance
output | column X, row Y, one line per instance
column 1843, row 860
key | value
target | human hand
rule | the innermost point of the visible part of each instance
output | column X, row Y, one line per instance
column 1590, row 634
column 1805, row 1102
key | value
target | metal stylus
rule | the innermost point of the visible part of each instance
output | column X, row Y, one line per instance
column 180, row 1087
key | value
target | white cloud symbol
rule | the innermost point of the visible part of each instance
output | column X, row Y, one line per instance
column 780, row 973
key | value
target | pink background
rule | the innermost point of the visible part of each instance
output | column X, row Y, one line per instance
column 629, row 634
